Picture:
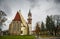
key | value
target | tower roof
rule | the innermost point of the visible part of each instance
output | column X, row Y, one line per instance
column 17, row 17
column 29, row 14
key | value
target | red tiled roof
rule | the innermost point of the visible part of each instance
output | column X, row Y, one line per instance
column 17, row 17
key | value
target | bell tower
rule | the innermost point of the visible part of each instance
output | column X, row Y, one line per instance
column 30, row 22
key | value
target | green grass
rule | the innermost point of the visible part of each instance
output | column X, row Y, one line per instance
column 17, row 37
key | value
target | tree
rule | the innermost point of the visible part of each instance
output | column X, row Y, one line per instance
column 57, row 27
column 42, row 26
column 50, row 24
column 47, row 23
column 2, row 18
column 37, row 29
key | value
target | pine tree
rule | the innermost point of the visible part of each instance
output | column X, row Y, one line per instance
column 47, row 23
column 50, row 24
column 42, row 26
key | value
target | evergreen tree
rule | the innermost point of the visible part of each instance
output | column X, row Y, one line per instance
column 50, row 24
column 47, row 23
column 42, row 26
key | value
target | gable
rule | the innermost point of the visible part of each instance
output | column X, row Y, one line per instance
column 17, row 17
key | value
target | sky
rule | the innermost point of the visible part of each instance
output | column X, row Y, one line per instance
column 39, row 9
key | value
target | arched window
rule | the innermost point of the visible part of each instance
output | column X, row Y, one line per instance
column 14, row 26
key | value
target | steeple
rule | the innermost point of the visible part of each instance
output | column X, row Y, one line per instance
column 30, row 22
column 29, row 17
column 29, row 14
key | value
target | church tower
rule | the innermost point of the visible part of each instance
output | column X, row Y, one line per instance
column 30, row 22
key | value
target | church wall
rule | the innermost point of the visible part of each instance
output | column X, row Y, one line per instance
column 11, row 28
column 14, row 28
column 24, row 30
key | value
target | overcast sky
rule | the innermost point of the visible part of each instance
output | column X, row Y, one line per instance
column 39, row 9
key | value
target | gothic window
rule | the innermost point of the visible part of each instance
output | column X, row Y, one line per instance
column 19, row 25
column 14, row 24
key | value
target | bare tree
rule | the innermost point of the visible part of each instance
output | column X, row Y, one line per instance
column 2, row 19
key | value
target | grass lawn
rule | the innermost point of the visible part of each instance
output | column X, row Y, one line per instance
column 17, row 37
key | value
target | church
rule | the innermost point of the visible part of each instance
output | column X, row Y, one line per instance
column 19, row 26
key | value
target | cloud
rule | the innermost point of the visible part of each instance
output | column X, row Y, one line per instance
column 55, row 8
column 57, row 1
column 1, row 1
column 33, row 3
column 5, row 7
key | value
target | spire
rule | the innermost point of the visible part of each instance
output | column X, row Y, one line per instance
column 29, row 17
column 29, row 14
